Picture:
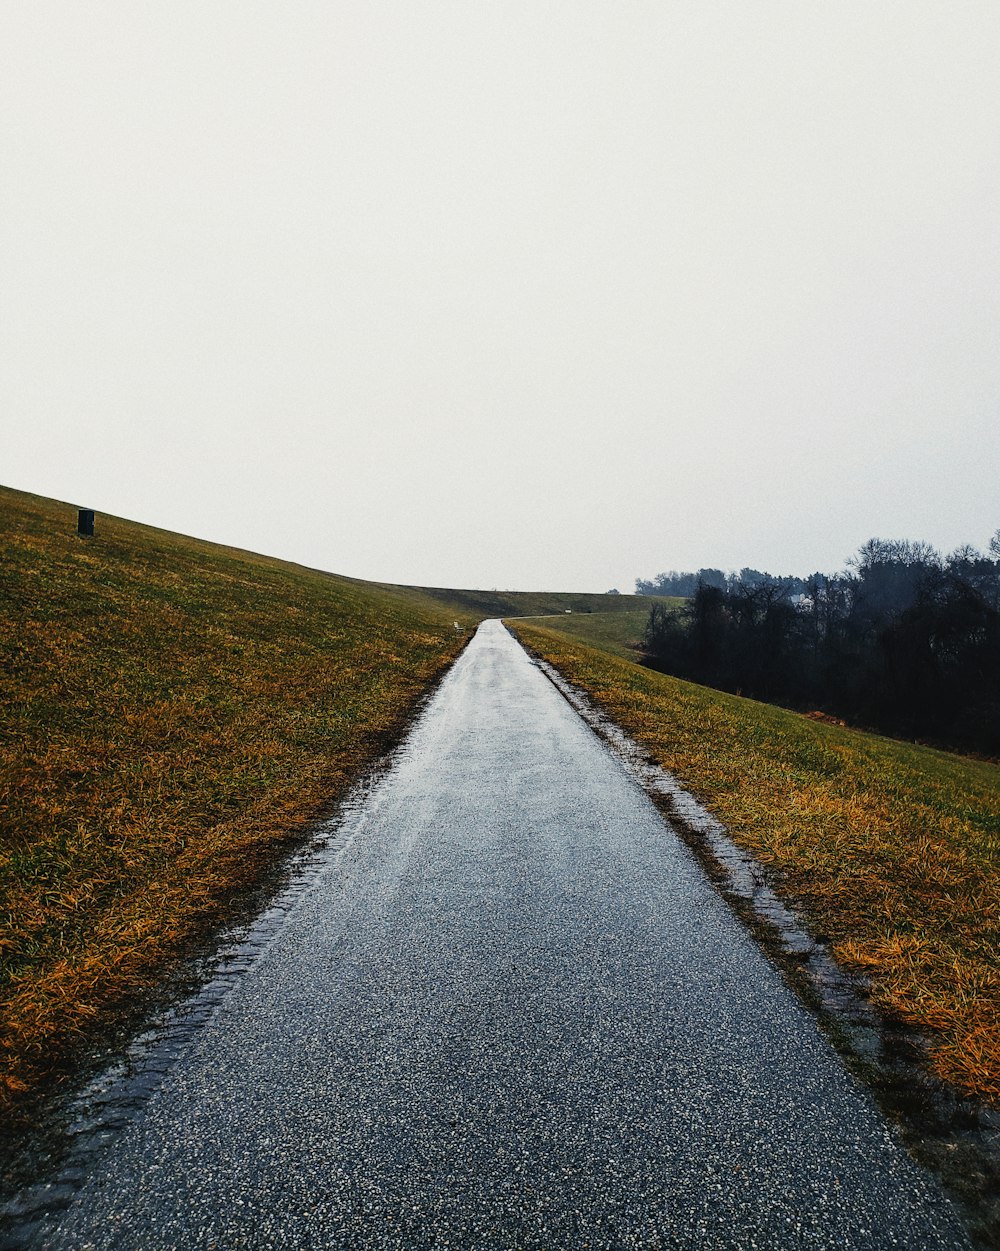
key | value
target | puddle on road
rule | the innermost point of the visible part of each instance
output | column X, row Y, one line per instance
column 956, row 1136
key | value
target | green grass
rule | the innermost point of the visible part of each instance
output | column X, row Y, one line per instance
column 174, row 714
column 889, row 850
column 619, row 633
column 539, row 603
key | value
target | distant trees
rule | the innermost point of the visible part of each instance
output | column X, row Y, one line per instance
column 685, row 584
column 904, row 640
column 674, row 583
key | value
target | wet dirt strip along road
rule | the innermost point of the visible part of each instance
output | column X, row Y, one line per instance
column 510, row 1013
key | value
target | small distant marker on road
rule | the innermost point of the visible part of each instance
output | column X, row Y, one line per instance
column 85, row 523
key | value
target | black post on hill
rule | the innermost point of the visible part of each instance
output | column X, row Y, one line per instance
column 85, row 523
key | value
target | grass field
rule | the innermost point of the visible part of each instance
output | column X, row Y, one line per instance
column 619, row 633
column 174, row 714
column 890, row 851
column 541, row 603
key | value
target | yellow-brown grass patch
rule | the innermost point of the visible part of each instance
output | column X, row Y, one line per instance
column 174, row 713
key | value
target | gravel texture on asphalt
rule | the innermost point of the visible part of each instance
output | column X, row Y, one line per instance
column 512, row 1013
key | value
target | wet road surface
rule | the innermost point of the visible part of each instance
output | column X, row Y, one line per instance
column 512, row 1014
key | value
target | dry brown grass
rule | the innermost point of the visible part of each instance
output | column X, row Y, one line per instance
column 889, row 850
column 174, row 714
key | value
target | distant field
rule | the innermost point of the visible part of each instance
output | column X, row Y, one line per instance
column 619, row 633
column 174, row 713
column 889, row 850
column 538, row 603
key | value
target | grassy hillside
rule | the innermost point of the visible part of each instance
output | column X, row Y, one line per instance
column 619, row 633
column 890, row 850
column 173, row 714
column 538, row 603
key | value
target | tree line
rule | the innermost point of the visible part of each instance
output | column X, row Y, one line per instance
column 905, row 640
column 686, row 584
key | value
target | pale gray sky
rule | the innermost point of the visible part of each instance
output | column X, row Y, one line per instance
column 514, row 294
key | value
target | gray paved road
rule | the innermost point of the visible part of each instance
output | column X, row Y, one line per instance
column 513, row 1014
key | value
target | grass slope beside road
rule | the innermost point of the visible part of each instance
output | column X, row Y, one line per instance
column 619, row 633
column 174, row 714
column 540, row 603
column 890, row 851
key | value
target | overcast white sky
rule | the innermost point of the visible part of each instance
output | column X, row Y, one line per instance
column 550, row 293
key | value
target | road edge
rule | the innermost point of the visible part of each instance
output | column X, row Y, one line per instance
column 953, row 1135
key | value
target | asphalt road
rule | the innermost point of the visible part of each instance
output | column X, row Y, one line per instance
column 512, row 1014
